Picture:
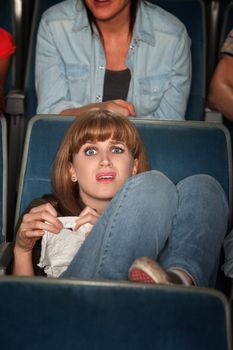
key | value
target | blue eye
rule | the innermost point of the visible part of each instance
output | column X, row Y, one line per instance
column 90, row 151
column 117, row 150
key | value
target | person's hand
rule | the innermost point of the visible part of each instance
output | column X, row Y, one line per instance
column 122, row 107
column 119, row 106
column 88, row 215
column 34, row 223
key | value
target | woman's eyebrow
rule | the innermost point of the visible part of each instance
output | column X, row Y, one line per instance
column 117, row 142
column 90, row 142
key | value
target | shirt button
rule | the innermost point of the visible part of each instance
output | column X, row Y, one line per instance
column 98, row 98
column 101, row 67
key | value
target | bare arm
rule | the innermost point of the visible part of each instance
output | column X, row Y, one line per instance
column 34, row 223
column 119, row 106
column 4, row 65
column 221, row 87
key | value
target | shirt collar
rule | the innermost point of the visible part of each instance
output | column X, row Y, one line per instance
column 142, row 29
column 81, row 21
column 143, row 25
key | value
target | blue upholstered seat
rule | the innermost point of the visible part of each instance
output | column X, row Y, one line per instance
column 176, row 148
column 6, row 23
column 227, row 23
column 5, row 247
column 63, row 315
column 192, row 14
column 3, row 179
column 40, row 6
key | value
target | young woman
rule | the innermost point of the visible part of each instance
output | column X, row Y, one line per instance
column 7, row 49
column 128, row 56
column 100, row 174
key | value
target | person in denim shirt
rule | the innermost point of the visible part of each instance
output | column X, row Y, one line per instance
column 131, row 57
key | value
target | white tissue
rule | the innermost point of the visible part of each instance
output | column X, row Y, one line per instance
column 58, row 250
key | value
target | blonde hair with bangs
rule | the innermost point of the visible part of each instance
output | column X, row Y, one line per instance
column 95, row 125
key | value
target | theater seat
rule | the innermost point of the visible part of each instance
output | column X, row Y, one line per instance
column 176, row 148
column 227, row 23
column 192, row 14
column 5, row 247
column 70, row 314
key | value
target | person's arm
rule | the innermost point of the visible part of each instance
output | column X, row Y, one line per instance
column 174, row 101
column 118, row 106
column 221, row 87
column 4, row 66
column 39, row 219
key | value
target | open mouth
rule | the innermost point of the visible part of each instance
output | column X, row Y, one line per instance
column 105, row 177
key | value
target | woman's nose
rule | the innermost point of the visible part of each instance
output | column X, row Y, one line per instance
column 105, row 160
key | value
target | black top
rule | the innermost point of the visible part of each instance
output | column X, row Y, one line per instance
column 116, row 84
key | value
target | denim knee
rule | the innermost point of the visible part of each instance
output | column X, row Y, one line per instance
column 206, row 186
column 152, row 179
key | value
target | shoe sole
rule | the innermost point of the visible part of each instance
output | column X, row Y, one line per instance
column 145, row 270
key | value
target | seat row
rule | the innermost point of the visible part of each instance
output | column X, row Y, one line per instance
column 64, row 315
column 101, row 315
column 177, row 149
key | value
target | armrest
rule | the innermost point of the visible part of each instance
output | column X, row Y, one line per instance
column 6, row 254
column 15, row 103
column 213, row 116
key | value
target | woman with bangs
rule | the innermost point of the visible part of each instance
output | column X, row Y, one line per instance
column 144, row 227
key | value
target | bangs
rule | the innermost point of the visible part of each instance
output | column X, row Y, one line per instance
column 101, row 128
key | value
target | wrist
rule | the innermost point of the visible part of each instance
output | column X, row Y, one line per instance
column 19, row 250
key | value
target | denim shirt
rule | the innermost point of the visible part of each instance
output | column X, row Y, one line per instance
column 70, row 62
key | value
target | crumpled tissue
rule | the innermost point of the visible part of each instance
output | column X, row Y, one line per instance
column 58, row 250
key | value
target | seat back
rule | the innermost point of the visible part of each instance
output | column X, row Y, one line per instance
column 40, row 6
column 192, row 14
column 6, row 22
column 227, row 23
column 60, row 314
column 3, row 178
column 177, row 149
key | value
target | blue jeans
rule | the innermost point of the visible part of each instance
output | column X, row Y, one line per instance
column 181, row 226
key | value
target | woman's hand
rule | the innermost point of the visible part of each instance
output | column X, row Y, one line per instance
column 88, row 215
column 118, row 106
column 34, row 223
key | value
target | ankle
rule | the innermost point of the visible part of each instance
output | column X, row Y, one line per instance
column 182, row 276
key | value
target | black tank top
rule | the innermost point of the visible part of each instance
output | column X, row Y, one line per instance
column 116, row 84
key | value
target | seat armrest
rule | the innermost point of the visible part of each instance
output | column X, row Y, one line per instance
column 6, row 254
column 15, row 103
column 213, row 116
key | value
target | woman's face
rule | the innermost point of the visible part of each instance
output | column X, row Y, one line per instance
column 104, row 10
column 101, row 168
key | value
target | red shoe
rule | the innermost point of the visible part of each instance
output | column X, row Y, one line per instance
column 146, row 270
